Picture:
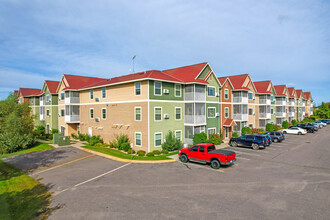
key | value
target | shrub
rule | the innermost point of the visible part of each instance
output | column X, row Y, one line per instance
column 164, row 152
column 235, row 134
column 40, row 131
column 124, row 146
column 95, row 140
column 141, row 153
column 74, row 136
column 54, row 131
column 99, row 145
column 131, row 151
column 246, row 130
column 285, row 124
column 83, row 137
column 156, row 152
column 113, row 144
column 150, row 154
column 260, row 130
column 215, row 139
column 269, row 127
column 276, row 128
column 171, row 143
column 200, row 138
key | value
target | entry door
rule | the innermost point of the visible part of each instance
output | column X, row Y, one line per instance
column 47, row 129
column 62, row 130
column 90, row 131
column 226, row 133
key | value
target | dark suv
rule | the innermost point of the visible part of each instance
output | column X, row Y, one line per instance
column 276, row 136
column 250, row 140
column 309, row 128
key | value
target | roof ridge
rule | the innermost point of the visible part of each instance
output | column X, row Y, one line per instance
column 186, row 66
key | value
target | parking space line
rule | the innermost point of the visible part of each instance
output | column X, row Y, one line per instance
column 91, row 179
column 63, row 164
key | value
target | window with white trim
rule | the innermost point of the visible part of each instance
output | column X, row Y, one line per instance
column 226, row 94
column 91, row 94
column 138, row 139
column 104, row 113
column 226, row 112
column 250, row 111
column 62, row 112
column 91, row 113
column 158, row 88
column 178, row 135
column 177, row 113
column 158, row 113
column 62, row 95
column 211, row 112
column 251, row 125
column 47, row 98
column 211, row 131
column 158, row 139
column 138, row 114
column 104, row 93
column 250, row 95
column 177, row 90
column 210, row 91
column 137, row 88
column 47, row 112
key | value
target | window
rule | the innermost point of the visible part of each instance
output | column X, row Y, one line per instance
column 62, row 96
column 211, row 112
column 178, row 135
column 138, row 139
column 271, row 97
column 210, row 91
column 251, row 125
column 47, row 112
column 211, row 131
column 137, row 88
column 47, row 98
column 226, row 94
column 250, row 95
column 158, row 139
column 195, row 149
column 272, row 111
column 62, row 112
column 138, row 114
column 226, row 112
column 178, row 113
column 104, row 93
column 104, row 113
column 91, row 94
column 177, row 90
column 20, row 100
column 250, row 111
column 91, row 113
column 210, row 148
column 201, row 149
column 158, row 113
column 158, row 88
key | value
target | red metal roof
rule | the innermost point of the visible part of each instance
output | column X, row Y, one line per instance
column 229, row 122
column 16, row 92
column 262, row 86
column 291, row 91
column 238, row 81
column 187, row 74
column 78, row 82
column 280, row 90
column 307, row 95
column 25, row 92
column 52, row 86
column 299, row 92
column 222, row 80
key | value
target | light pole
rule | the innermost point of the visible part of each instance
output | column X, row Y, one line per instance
column 133, row 58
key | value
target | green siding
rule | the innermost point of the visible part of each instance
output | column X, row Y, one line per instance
column 169, row 96
column 52, row 106
column 212, row 122
column 204, row 72
column 213, row 82
column 165, row 124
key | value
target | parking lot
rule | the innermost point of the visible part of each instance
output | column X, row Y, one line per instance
column 288, row 180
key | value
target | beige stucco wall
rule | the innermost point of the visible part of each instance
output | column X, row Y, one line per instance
column 253, row 119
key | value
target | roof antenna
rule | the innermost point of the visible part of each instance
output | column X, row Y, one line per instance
column 133, row 58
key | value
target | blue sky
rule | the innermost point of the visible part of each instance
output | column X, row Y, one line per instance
column 287, row 42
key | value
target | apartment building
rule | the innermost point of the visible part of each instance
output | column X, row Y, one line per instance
column 281, row 99
column 301, row 105
column 292, row 105
column 309, row 104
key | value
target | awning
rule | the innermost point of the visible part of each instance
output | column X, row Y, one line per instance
column 229, row 123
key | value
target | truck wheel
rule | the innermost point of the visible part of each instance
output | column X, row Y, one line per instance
column 255, row 146
column 234, row 144
column 275, row 140
column 184, row 158
column 215, row 164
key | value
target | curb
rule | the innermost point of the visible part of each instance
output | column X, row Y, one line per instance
column 123, row 160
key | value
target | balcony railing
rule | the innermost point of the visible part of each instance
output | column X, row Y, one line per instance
column 264, row 115
column 280, row 114
column 280, row 103
column 42, row 117
column 197, row 119
column 72, row 100
column 264, row 101
column 291, row 103
column 72, row 118
column 42, row 102
column 304, row 104
column 240, row 117
column 291, row 114
column 240, row 99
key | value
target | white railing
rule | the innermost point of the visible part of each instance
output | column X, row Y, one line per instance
column 280, row 114
column 264, row 101
column 280, row 103
column 42, row 102
column 240, row 99
column 291, row 103
column 42, row 117
column 72, row 118
column 291, row 114
column 70, row 100
column 304, row 104
column 240, row 117
column 264, row 115
column 197, row 119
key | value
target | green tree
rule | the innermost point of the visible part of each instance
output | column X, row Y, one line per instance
column 199, row 138
column 285, row 124
column 171, row 143
column 294, row 122
column 323, row 111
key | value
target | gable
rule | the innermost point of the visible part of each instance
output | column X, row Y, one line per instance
column 213, row 80
column 203, row 74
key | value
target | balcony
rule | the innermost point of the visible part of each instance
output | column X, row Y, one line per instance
column 72, row 97
column 72, row 113
column 291, row 114
column 264, row 115
column 42, row 102
column 243, row 100
column 264, row 101
column 291, row 103
column 194, row 113
column 280, row 114
column 280, row 102
column 304, row 104
column 72, row 118
column 240, row 117
column 42, row 117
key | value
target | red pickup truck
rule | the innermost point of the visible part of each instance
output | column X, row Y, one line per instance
column 206, row 153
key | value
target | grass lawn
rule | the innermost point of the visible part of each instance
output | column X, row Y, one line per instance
column 21, row 196
column 37, row 147
column 119, row 154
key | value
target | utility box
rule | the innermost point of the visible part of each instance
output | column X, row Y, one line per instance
column 61, row 140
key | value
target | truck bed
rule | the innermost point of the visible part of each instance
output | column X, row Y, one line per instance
column 223, row 152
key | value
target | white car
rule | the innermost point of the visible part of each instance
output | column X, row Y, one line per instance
column 320, row 122
column 294, row 130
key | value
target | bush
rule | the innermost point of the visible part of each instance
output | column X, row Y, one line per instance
column 285, row 124
column 113, row 144
column 40, row 131
column 246, row 130
column 99, row 145
column 95, row 140
column 156, row 152
column 131, row 151
column 171, row 143
column 74, row 136
column 124, row 146
column 54, row 131
column 215, row 139
column 122, row 142
column 164, row 152
column 200, row 138
column 150, row 154
column 10, row 142
column 269, row 127
column 83, row 137
column 260, row 131
column 141, row 153
column 294, row 122
column 235, row 134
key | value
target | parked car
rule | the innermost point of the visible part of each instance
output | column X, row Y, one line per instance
column 294, row 130
column 318, row 124
column 276, row 136
column 250, row 140
column 206, row 153
column 321, row 122
column 269, row 139
column 325, row 121
column 314, row 125
column 309, row 128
